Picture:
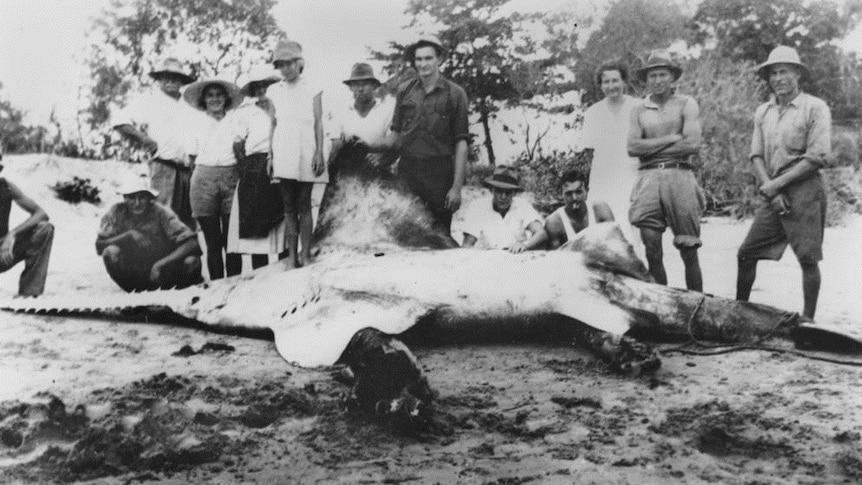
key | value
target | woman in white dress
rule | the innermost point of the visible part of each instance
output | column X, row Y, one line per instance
column 613, row 172
column 297, row 147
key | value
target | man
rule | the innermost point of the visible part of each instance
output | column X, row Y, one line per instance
column 29, row 241
column 163, row 125
column 145, row 246
column 430, row 125
column 791, row 142
column 502, row 222
column 576, row 214
column 665, row 135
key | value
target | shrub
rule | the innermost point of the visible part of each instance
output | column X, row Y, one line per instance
column 76, row 190
column 541, row 175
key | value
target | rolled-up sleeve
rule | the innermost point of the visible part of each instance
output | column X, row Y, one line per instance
column 818, row 150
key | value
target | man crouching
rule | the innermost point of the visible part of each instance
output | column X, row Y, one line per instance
column 144, row 244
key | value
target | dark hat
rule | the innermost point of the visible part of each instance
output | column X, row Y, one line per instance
column 287, row 50
column 261, row 74
column 361, row 72
column 781, row 55
column 504, row 177
column 659, row 60
column 171, row 65
column 194, row 91
column 425, row 40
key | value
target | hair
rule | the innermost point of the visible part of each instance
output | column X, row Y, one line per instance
column 575, row 176
column 424, row 43
column 612, row 66
column 228, row 100
column 298, row 60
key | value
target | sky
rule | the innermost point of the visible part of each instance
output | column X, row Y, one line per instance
column 42, row 43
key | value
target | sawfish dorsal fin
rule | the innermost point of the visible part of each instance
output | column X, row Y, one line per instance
column 318, row 334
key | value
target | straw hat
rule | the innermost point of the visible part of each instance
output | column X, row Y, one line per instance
column 361, row 72
column 136, row 185
column 287, row 50
column 425, row 40
column 504, row 177
column 171, row 65
column 260, row 74
column 194, row 91
column 657, row 60
column 781, row 55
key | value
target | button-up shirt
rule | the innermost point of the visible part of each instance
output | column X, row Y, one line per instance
column 430, row 123
column 493, row 231
column 159, row 225
column 784, row 135
column 170, row 122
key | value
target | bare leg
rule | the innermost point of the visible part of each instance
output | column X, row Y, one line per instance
column 37, row 252
column 654, row 254
column 211, row 227
column 233, row 261
column 291, row 232
column 810, row 288
column 303, row 210
column 745, row 276
column 693, row 276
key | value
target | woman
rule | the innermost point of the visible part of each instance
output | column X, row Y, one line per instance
column 606, row 127
column 297, row 147
column 257, row 215
column 215, row 175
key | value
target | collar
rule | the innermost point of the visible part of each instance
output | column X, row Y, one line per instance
column 440, row 84
column 795, row 102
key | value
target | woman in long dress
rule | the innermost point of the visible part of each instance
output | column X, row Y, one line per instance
column 297, row 147
column 606, row 127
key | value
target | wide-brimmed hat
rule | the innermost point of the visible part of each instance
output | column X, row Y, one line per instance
column 171, row 65
column 260, row 74
column 287, row 50
column 425, row 40
column 194, row 91
column 136, row 185
column 504, row 177
column 657, row 60
column 361, row 72
column 781, row 55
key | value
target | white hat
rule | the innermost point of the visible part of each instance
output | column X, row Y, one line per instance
column 781, row 55
column 195, row 90
column 135, row 185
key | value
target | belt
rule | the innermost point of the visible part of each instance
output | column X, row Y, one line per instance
column 172, row 163
column 663, row 165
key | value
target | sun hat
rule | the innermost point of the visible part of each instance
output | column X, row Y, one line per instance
column 424, row 40
column 135, row 185
column 260, row 74
column 194, row 91
column 171, row 65
column 504, row 177
column 361, row 72
column 287, row 50
column 657, row 60
column 781, row 55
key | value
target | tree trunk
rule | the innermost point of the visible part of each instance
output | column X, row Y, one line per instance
column 489, row 147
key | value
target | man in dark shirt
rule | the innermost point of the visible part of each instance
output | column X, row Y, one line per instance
column 430, row 122
column 144, row 244
column 29, row 241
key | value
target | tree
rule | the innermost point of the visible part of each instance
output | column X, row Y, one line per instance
column 15, row 136
column 215, row 37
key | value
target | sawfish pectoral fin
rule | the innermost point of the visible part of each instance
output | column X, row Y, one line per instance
column 317, row 335
column 595, row 311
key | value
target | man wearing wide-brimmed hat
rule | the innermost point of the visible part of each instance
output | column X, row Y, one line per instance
column 790, row 143
column 665, row 135
column 160, row 122
column 501, row 221
column 144, row 245
column 29, row 241
column 430, row 121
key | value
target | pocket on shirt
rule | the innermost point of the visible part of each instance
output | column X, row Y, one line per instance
column 408, row 113
column 796, row 138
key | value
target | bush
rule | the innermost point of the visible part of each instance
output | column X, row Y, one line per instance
column 541, row 175
column 76, row 190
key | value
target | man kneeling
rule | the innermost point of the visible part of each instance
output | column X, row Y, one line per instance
column 144, row 244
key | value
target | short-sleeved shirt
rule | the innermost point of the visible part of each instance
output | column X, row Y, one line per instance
column 253, row 125
column 431, row 123
column 170, row 122
column 214, row 141
column 656, row 122
column 493, row 231
column 370, row 129
column 159, row 225
column 802, row 129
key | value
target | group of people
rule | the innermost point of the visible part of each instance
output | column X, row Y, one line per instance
column 240, row 161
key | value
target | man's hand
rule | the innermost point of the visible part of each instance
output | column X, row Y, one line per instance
column 375, row 159
column 781, row 204
column 769, row 190
column 156, row 273
column 518, row 247
column 7, row 257
column 138, row 239
column 453, row 199
column 149, row 144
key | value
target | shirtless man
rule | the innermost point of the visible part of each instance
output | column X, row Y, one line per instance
column 576, row 214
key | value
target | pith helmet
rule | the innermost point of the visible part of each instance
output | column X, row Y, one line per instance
column 781, row 55
column 171, row 65
column 656, row 60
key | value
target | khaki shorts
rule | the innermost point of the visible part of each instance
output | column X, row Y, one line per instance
column 212, row 190
column 665, row 197
column 802, row 228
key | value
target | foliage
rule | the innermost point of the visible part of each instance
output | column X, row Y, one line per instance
column 77, row 190
column 541, row 175
column 15, row 136
column 843, row 193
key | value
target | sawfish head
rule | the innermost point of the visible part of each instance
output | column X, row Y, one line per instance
column 604, row 246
